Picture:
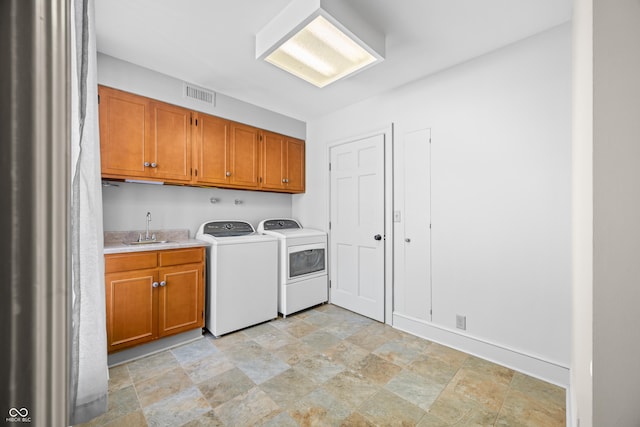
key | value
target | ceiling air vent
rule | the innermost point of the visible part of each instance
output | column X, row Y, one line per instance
column 203, row 95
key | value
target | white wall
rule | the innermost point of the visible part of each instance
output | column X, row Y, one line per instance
column 616, row 212
column 501, row 166
column 125, row 206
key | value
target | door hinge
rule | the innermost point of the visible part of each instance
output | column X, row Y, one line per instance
column 260, row 180
column 329, row 225
column 196, row 122
column 329, row 165
column 191, row 120
column 429, row 226
column 429, row 140
column 98, row 99
column 196, row 172
column 329, row 283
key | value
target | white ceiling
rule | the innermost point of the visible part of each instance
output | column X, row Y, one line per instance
column 212, row 43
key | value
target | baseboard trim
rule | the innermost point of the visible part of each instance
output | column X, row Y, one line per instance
column 153, row 347
column 530, row 365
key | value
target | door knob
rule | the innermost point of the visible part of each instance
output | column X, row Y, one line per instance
column 377, row 237
column 407, row 240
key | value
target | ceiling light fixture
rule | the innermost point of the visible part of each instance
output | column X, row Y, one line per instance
column 319, row 41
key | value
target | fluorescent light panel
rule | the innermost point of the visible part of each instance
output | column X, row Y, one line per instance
column 319, row 41
column 320, row 53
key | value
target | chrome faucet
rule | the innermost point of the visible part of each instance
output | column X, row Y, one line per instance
column 146, row 236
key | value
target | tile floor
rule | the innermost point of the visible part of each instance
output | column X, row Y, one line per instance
column 324, row 367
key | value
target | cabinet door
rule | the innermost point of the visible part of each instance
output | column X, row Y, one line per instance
column 170, row 156
column 244, row 156
column 124, row 133
column 211, row 153
column 181, row 299
column 295, row 182
column 131, row 313
column 273, row 161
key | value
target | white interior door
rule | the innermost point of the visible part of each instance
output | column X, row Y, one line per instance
column 357, row 247
column 417, row 220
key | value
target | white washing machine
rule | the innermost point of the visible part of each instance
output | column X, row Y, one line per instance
column 242, row 276
column 303, row 277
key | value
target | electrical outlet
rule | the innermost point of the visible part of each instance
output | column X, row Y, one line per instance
column 396, row 216
column 461, row 322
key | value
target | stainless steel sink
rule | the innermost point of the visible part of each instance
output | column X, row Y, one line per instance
column 146, row 242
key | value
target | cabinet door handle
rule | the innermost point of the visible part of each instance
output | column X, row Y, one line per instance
column 284, row 180
column 228, row 174
column 146, row 164
column 154, row 285
column 154, row 165
column 163, row 283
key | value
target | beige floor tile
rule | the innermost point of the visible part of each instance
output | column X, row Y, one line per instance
column 447, row 355
column 149, row 367
column 161, row 386
column 377, row 370
column 177, row 409
column 133, row 419
column 119, row 377
column 251, row 408
column 225, row 386
column 294, row 353
column 435, row 370
column 351, row 388
column 520, row 409
column 388, row 409
column 288, row 387
column 319, row 408
column 356, row 419
column 346, row 353
column 121, row 402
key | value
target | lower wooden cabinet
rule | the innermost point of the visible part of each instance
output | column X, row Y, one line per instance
column 153, row 294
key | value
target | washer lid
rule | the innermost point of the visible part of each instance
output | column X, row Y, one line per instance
column 227, row 228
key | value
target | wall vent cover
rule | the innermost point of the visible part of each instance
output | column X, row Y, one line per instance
column 201, row 94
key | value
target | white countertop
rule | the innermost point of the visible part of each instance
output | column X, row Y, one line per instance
column 118, row 248
column 176, row 239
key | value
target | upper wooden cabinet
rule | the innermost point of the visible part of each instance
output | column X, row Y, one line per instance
column 125, row 128
column 170, row 152
column 141, row 138
column 282, row 163
column 211, row 150
column 244, row 167
column 226, row 153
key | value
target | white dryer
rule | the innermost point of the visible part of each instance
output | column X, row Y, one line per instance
column 303, row 277
column 242, row 276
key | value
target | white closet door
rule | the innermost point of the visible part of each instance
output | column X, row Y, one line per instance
column 415, row 287
column 357, row 226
